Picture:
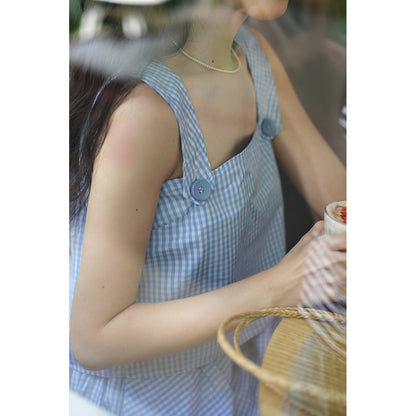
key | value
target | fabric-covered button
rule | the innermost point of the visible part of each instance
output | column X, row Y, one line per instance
column 268, row 127
column 200, row 189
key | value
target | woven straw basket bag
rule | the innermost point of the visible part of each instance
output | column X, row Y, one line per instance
column 304, row 366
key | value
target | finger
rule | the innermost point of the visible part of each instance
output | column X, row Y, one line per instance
column 336, row 242
column 331, row 277
column 322, row 289
column 341, row 269
column 317, row 229
column 324, row 259
column 331, row 290
column 310, row 296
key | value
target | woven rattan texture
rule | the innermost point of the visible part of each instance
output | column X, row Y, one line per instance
column 301, row 374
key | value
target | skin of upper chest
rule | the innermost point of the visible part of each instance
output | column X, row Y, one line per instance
column 226, row 110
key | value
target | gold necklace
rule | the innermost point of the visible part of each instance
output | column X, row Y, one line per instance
column 213, row 68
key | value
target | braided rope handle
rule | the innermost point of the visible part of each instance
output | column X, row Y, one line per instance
column 273, row 381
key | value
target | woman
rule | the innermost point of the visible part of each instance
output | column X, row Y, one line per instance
column 184, row 225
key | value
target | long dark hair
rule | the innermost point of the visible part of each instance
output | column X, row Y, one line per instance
column 93, row 99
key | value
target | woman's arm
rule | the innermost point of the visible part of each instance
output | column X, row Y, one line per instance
column 300, row 150
column 140, row 152
column 108, row 327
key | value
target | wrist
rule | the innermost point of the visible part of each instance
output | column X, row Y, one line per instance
column 265, row 283
column 282, row 287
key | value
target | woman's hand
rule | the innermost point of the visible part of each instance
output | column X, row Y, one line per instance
column 314, row 272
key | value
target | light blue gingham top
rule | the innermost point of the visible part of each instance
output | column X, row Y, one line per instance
column 211, row 228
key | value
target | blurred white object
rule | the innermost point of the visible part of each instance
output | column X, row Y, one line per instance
column 91, row 23
column 121, row 37
column 134, row 25
column 78, row 406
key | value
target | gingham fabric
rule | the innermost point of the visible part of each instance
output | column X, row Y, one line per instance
column 211, row 228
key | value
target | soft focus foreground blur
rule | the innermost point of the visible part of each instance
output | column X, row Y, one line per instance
column 119, row 38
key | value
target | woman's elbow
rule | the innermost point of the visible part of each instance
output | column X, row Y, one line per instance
column 86, row 350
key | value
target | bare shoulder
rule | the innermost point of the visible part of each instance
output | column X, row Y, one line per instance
column 138, row 154
column 144, row 104
column 143, row 127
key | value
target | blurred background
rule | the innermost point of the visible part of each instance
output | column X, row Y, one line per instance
column 310, row 40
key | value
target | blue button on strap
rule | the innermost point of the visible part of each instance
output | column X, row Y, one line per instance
column 200, row 189
column 268, row 127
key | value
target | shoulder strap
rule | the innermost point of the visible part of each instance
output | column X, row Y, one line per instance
column 267, row 102
column 196, row 166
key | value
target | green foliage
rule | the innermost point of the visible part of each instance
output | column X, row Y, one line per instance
column 75, row 12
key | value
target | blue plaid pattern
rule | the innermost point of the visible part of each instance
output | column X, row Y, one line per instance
column 197, row 246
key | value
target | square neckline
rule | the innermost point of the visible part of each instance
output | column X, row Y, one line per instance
column 224, row 166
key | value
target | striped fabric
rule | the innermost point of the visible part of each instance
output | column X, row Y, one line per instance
column 198, row 245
